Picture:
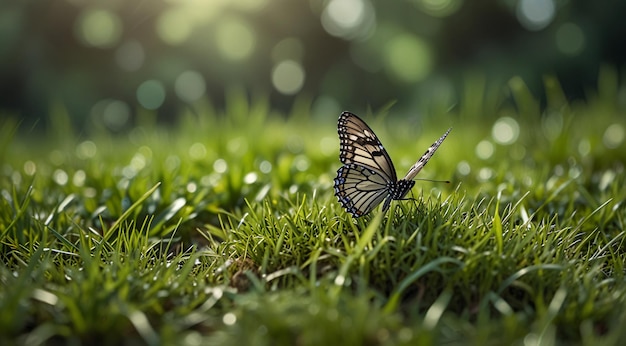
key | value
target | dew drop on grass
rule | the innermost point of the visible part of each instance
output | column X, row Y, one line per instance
column 86, row 150
column 229, row 319
column 250, row 178
column 613, row 136
column 484, row 149
column 197, row 151
column 16, row 178
column 505, row 131
column 60, row 177
column 90, row 192
column 57, row 157
column 79, row 178
column 193, row 338
column 340, row 280
column 584, row 147
column 192, row 187
column 301, row 163
column 575, row 172
column 265, row 167
column 218, row 293
column 463, row 168
column 485, row 174
column 30, row 168
column 220, row 166
column 607, row 178
column 172, row 163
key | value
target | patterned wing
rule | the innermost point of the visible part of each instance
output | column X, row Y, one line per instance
column 360, row 189
column 359, row 145
column 417, row 167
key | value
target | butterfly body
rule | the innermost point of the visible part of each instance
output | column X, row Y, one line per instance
column 368, row 177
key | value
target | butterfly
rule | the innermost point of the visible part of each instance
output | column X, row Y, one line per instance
column 367, row 177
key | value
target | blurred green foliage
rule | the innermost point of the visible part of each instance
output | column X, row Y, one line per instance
column 106, row 61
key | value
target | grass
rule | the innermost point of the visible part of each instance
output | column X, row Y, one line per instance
column 225, row 230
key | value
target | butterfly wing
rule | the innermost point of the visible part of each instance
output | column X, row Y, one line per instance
column 417, row 167
column 360, row 189
column 359, row 145
column 368, row 176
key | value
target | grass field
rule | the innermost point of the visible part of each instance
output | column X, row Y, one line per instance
column 225, row 230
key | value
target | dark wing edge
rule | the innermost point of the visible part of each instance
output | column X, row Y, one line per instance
column 359, row 189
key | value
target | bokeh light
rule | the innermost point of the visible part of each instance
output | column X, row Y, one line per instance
column 484, row 149
column 86, row 51
column 505, row 131
column 151, row 94
column 174, row 26
column 463, row 168
column 235, row 39
column 130, row 56
column 190, row 86
column 613, row 136
column 349, row 18
column 288, row 77
column 114, row 114
column 30, row 168
column 220, row 166
column 408, row 58
column 86, row 150
column 197, row 151
column 60, row 177
column 439, row 8
column 570, row 39
column 535, row 14
column 98, row 28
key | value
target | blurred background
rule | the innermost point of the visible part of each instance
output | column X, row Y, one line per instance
column 107, row 60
